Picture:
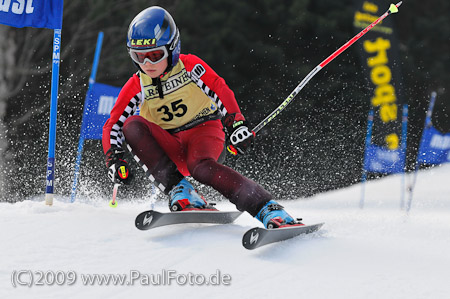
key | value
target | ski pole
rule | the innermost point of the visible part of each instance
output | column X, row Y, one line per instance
column 113, row 203
column 392, row 9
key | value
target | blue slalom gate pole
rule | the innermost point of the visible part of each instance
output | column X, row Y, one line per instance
column 50, row 177
column 403, row 150
column 416, row 168
column 367, row 144
column 85, row 112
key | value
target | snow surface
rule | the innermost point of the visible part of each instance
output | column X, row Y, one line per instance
column 376, row 252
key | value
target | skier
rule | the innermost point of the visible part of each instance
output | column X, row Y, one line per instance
column 179, row 130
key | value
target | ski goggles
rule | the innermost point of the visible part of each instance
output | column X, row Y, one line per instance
column 154, row 56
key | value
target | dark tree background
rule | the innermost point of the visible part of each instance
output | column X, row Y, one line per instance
column 263, row 49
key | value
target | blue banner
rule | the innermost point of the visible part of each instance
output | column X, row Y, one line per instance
column 99, row 100
column 434, row 147
column 32, row 13
column 381, row 160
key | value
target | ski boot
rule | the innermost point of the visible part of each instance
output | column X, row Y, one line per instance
column 183, row 197
column 273, row 215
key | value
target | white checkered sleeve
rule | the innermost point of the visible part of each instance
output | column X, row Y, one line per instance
column 116, row 134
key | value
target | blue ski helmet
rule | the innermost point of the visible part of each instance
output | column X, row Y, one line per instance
column 154, row 27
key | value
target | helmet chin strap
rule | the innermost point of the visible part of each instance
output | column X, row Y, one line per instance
column 169, row 63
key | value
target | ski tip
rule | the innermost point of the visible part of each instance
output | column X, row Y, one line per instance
column 144, row 220
column 250, row 238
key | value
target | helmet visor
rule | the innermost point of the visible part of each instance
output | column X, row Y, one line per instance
column 153, row 56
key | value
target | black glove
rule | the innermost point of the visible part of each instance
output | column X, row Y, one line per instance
column 241, row 138
column 118, row 169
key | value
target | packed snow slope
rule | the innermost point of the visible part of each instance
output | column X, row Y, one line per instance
column 376, row 252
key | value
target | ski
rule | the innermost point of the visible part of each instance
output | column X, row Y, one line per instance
column 151, row 219
column 258, row 236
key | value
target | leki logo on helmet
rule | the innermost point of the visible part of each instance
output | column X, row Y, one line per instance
column 123, row 172
column 145, row 42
